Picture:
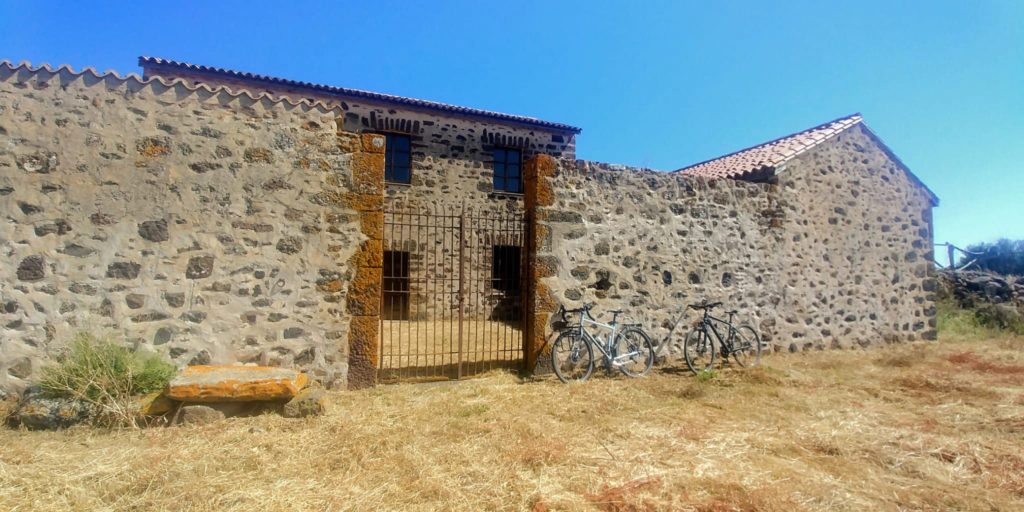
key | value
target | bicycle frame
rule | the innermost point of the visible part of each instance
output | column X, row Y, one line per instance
column 709, row 323
column 664, row 342
column 606, row 347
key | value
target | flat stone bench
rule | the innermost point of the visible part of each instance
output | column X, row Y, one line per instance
column 199, row 384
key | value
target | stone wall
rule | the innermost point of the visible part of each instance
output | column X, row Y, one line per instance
column 452, row 155
column 217, row 226
column 452, row 171
column 836, row 253
column 205, row 225
column 650, row 243
column 857, row 252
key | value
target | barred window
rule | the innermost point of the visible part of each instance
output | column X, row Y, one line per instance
column 505, row 268
column 508, row 176
column 397, row 158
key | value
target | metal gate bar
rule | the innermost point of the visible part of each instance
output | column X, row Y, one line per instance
column 451, row 302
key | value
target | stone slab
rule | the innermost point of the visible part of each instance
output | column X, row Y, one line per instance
column 236, row 384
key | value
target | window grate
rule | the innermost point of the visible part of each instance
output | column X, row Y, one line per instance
column 508, row 175
column 397, row 158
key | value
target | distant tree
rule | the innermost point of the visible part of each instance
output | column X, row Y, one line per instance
column 1004, row 256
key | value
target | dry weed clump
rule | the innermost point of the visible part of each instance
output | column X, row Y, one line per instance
column 835, row 430
column 980, row 365
column 621, row 498
column 7, row 407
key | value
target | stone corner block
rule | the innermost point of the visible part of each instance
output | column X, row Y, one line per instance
column 362, row 359
column 365, row 292
column 369, row 254
column 368, row 173
column 371, row 223
column 373, row 143
column 364, row 202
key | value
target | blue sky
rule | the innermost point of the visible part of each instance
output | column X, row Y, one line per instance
column 659, row 84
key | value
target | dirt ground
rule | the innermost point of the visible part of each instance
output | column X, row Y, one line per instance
column 425, row 349
column 929, row 426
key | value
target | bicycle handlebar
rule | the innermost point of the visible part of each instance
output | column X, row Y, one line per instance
column 705, row 305
column 584, row 310
column 586, row 307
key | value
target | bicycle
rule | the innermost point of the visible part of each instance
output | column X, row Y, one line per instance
column 627, row 347
column 741, row 342
column 676, row 347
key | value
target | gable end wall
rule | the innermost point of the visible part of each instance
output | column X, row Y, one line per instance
column 857, row 252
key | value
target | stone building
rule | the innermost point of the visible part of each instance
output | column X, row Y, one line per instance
column 218, row 217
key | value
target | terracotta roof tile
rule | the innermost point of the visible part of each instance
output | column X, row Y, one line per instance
column 771, row 154
column 152, row 62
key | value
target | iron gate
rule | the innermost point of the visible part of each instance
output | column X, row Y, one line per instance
column 452, row 293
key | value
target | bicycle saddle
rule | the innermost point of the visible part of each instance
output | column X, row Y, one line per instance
column 731, row 312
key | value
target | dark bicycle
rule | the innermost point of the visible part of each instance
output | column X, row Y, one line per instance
column 740, row 342
column 626, row 348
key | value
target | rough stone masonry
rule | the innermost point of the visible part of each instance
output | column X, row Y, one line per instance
column 204, row 226
column 220, row 221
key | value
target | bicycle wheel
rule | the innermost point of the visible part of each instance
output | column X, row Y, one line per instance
column 633, row 352
column 699, row 351
column 746, row 346
column 572, row 357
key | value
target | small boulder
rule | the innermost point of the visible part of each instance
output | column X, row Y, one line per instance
column 155, row 404
column 199, row 415
column 39, row 412
column 204, row 383
column 311, row 401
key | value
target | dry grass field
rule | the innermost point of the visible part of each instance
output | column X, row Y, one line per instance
column 906, row 427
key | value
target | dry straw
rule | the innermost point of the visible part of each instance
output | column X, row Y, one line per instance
column 905, row 427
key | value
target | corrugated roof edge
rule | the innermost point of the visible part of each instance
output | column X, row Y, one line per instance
column 134, row 80
column 145, row 61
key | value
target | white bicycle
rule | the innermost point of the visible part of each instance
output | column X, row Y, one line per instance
column 626, row 348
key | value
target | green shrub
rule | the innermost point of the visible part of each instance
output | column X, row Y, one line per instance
column 1003, row 317
column 1003, row 256
column 706, row 375
column 107, row 375
column 983, row 321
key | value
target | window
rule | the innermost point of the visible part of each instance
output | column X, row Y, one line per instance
column 397, row 158
column 396, row 285
column 505, row 268
column 508, row 176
